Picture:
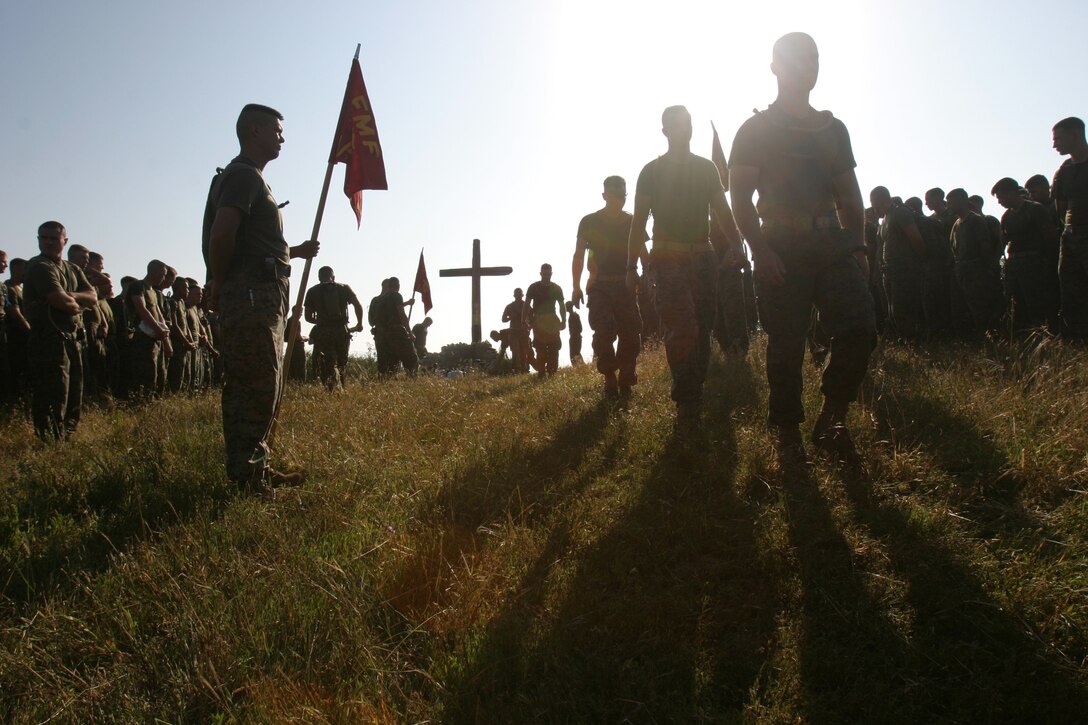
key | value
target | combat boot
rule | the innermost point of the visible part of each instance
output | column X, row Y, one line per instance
column 611, row 387
column 830, row 435
column 791, row 447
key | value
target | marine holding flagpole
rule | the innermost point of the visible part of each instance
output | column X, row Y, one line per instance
column 249, row 265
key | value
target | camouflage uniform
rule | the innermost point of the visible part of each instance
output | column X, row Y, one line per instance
column 180, row 364
column 1031, row 276
column 904, row 272
column 1070, row 187
column 679, row 191
column 944, row 306
column 17, row 339
column 54, row 348
column 545, row 322
column 730, row 319
column 253, row 302
column 798, row 162
column 614, row 314
column 143, row 348
column 519, row 335
column 330, row 334
column 5, row 364
column 394, row 345
column 977, row 274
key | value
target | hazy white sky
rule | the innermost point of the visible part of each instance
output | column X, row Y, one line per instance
column 498, row 120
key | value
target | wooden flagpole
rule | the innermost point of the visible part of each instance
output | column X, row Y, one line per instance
column 294, row 325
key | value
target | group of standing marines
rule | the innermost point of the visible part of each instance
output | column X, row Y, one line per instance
column 957, row 272
column 66, row 338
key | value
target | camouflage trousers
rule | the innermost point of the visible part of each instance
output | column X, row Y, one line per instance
column 252, row 316
column 331, row 343
column 393, row 348
column 56, row 383
column 1032, row 289
column 979, row 284
column 520, row 348
column 1073, row 274
column 575, row 344
column 547, row 342
column 143, row 365
column 906, row 294
column 179, row 373
column 836, row 286
column 731, row 318
column 685, row 303
column 617, row 329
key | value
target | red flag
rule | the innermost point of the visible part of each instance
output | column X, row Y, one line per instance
column 422, row 286
column 718, row 157
column 356, row 143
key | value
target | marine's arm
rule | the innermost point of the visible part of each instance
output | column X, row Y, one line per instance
column 358, row 307
column 577, row 263
column 766, row 264
column 851, row 211
column 636, row 244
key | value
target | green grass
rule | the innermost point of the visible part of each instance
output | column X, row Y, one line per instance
column 507, row 550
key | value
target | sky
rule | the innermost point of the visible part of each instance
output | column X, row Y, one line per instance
column 498, row 120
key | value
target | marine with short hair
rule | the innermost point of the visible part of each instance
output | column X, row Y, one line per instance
column 904, row 264
column 1070, row 190
column 614, row 316
column 1031, row 277
column 807, row 236
column 249, row 265
column 56, row 292
column 542, row 299
column 326, row 308
column 681, row 190
column 978, row 277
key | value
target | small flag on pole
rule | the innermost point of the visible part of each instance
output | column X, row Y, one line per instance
column 718, row 157
column 356, row 143
column 422, row 286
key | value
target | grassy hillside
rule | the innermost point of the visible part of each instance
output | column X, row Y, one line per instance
column 507, row 550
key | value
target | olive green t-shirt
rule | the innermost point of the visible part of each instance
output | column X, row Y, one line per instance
column 971, row 241
column 330, row 300
column 798, row 160
column 139, row 288
column 242, row 186
column 1071, row 186
column 899, row 253
column 44, row 277
column 605, row 238
column 679, row 192
column 1027, row 229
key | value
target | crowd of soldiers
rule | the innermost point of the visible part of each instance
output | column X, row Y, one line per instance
column 148, row 338
column 823, row 266
column 959, row 272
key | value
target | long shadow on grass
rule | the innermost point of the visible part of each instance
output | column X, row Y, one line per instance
column 852, row 659
column 57, row 527
column 988, row 490
column 968, row 660
column 665, row 616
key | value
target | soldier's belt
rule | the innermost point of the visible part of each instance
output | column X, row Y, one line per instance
column 266, row 268
column 668, row 245
column 800, row 224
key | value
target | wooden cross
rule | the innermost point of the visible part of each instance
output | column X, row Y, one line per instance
column 476, row 271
